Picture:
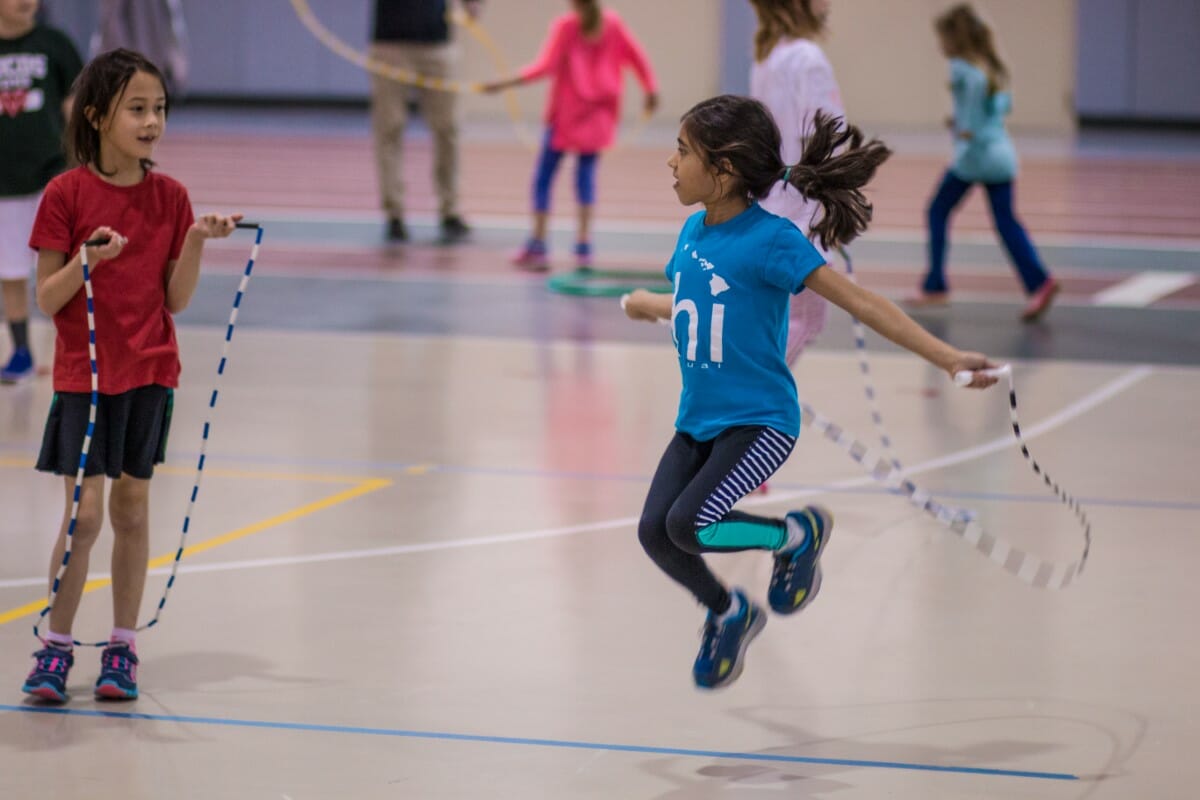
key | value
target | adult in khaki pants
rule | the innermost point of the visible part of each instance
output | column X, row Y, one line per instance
column 414, row 35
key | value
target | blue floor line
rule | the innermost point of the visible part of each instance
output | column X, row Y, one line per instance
column 560, row 743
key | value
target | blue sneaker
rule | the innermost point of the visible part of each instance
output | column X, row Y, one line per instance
column 720, row 660
column 796, row 578
column 583, row 255
column 118, row 673
column 48, row 679
column 18, row 368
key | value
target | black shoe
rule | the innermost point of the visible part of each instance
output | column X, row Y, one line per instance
column 454, row 229
column 396, row 232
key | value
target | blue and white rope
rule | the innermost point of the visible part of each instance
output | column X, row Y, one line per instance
column 885, row 468
column 1025, row 566
column 864, row 368
column 87, row 435
column 212, row 404
column 87, row 438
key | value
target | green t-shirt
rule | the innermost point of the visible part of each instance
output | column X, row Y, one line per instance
column 36, row 73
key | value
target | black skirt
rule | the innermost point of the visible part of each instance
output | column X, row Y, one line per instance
column 130, row 436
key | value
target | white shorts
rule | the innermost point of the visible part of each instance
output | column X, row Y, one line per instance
column 17, row 261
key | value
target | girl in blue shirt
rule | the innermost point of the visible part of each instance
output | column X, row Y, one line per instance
column 983, row 153
column 734, row 269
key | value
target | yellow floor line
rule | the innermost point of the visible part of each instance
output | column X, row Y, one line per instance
column 366, row 487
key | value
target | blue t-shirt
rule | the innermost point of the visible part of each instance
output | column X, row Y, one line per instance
column 988, row 156
column 732, row 284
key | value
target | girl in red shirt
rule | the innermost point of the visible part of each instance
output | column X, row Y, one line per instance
column 147, row 271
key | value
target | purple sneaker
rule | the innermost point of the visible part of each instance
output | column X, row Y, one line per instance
column 118, row 673
column 48, row 679
column 533, row 256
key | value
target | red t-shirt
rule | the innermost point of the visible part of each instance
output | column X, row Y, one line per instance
column 135, row 336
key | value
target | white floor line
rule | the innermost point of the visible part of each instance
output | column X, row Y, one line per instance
column 1144, row 288
column 1081, row 406
column 520, row 223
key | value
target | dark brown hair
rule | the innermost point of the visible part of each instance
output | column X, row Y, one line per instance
column 589, row 16
column 96, row 91
column 970, row 37
column 780, row 18
column 738, row 136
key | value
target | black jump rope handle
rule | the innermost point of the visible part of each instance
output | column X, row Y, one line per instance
column 106, row 240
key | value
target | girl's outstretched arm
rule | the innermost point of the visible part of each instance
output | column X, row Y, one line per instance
column 886, row 319
column 649, row 306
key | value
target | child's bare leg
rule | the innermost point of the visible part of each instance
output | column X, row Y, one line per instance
column 584, row 226
column 540, row 221
column 129, row 513
column 15, row 296
column 87, row 530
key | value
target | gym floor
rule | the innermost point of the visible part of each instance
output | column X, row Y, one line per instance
column 413, row 568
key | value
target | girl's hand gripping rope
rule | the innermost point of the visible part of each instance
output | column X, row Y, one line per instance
column 104, row 244
column 981, row 376
column 216, row 226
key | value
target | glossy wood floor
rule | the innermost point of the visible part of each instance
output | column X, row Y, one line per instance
column 413, row 570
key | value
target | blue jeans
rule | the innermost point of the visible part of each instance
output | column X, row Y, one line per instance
column 1016, row 241
column 585, row 176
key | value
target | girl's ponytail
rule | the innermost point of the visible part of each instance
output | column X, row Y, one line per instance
column 834, row 167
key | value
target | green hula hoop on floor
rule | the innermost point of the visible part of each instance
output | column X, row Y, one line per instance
column 607, row 282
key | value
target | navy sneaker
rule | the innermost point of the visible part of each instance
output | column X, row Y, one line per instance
column 796, row 578
column 118, row 673
column 723, row 646
column 48, row 679
column 18, row 368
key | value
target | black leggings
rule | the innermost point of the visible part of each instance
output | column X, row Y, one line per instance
column 688, row 509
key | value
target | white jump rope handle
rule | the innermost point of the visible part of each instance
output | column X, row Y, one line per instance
column 964, row 377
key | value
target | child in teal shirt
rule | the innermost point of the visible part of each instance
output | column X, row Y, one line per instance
column 734, row 269
column 984, row 154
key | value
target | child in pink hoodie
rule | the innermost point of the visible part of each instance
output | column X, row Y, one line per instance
column 583, row 55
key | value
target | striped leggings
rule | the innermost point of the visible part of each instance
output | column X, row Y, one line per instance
column 688, row 509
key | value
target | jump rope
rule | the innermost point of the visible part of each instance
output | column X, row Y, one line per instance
column 885, row 468
column 408, row 77
column 87, row 437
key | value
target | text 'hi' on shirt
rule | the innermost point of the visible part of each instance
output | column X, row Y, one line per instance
column 135, row 335
column 733, row 282
column 36, row 73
